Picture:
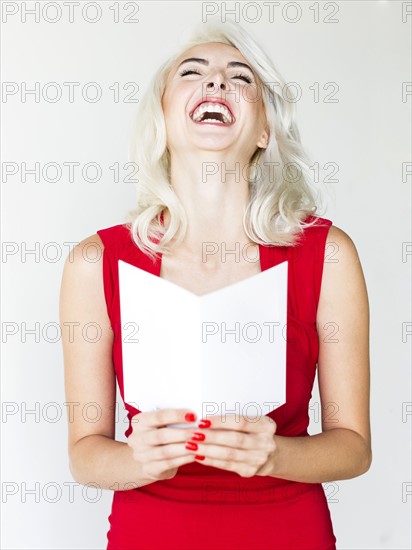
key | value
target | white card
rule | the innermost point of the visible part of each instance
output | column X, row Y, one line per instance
column 220, row 353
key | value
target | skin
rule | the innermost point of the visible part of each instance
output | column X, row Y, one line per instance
column 214, row 209
column 214, row 204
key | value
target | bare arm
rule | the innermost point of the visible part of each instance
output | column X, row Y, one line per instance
column 343, row 449
column 90, row 384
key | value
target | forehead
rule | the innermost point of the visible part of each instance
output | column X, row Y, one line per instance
column 212, row 51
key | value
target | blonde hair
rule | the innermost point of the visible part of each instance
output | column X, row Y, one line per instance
column 278, row 204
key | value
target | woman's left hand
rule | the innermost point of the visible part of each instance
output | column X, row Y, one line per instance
column 236, row 443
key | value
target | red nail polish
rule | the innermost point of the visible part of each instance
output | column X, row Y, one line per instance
column 191, row 446
column 199, row 457
column 190, row 417
column 204, row 424
column 197, row 436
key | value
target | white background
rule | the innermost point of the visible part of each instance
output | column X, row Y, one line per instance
column 366, row 133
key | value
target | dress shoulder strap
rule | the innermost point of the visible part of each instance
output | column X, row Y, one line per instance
column 119, row 245
column 315, row 243
column 113, row 239
column 313, row 258
column 306, row 260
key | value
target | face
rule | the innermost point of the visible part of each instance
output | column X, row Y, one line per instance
column 212, row 102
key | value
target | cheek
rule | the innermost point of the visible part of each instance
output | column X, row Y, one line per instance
column 258, row 118
column 168, row 113
column 173, row 121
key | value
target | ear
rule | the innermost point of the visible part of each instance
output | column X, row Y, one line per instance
column 263, row 140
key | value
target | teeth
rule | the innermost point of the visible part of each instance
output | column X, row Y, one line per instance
column 212, row 108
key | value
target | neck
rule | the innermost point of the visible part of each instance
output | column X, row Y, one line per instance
column 214, row 192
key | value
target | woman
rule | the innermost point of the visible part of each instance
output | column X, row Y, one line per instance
column 220, row 161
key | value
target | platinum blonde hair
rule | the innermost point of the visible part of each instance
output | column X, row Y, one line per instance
column 280, row 200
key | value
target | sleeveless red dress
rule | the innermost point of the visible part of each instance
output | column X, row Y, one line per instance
column 206, row 508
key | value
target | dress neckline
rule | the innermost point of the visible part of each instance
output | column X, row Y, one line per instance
column 262, row 257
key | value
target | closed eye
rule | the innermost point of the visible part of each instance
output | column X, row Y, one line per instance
column 244, row 78
column 188, row 71
column 239, row 76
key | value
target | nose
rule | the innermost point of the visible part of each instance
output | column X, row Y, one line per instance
column 216, row 81
column 214, row 86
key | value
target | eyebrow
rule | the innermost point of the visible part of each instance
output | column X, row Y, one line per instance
column 206, row 62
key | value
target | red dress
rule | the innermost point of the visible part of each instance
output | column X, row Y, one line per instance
column 206, row 508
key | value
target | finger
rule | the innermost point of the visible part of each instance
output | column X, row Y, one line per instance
column 231, row 454
column 166, row 453
column 165, row 436
column 241, row 423
column 238, row 440
column 163, row 417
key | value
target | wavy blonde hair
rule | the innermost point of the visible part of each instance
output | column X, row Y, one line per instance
column 279, row 201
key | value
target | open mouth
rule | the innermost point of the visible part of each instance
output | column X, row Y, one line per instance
column 216, row 113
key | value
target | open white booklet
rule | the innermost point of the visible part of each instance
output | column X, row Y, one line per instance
column 220, row 353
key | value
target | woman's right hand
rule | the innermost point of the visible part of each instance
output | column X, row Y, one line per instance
column 158, row 449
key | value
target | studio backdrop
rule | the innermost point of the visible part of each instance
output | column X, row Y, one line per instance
column 72, row 77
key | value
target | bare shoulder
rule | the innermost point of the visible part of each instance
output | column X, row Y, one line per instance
column 342, row 242
column 342, row 278
column 82, row 279
column 86, row 256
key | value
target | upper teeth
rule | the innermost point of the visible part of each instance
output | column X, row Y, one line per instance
column 212, row 108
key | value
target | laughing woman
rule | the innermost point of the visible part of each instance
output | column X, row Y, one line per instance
column 225, row 484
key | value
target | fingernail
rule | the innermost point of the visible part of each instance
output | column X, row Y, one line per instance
column 190, row 417
column 191, row 446
column 199, row 457
column 204, row 424
column 197, row 436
